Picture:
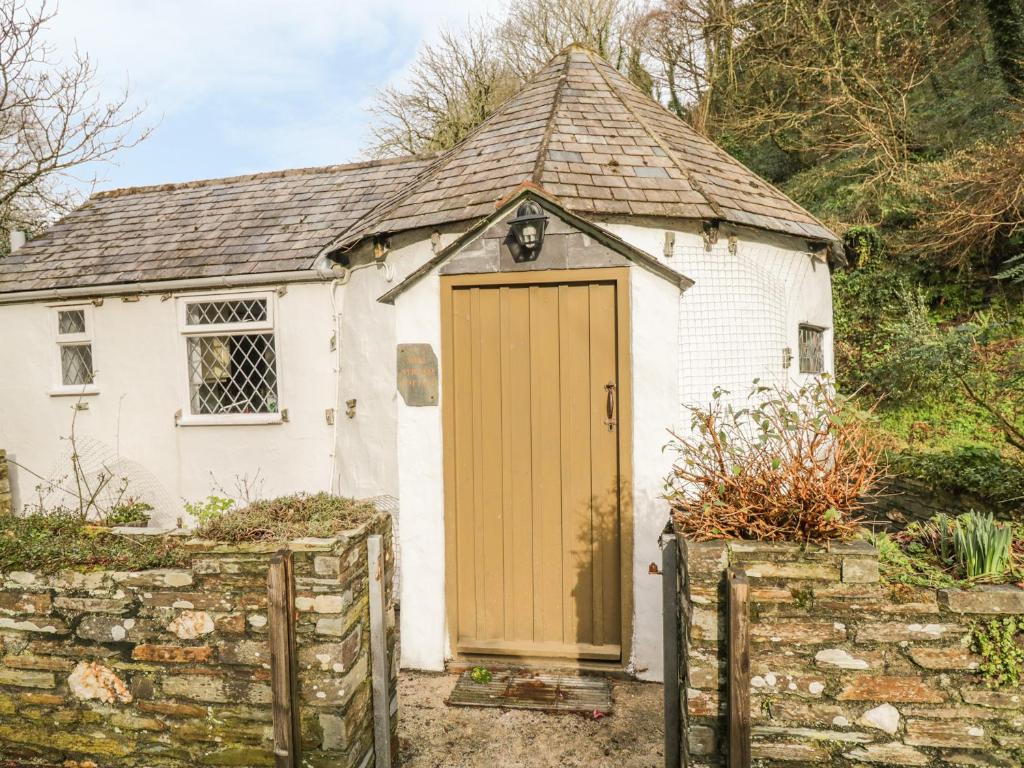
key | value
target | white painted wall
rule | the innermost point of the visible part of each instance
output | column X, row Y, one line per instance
column 421, row 492
column 655, row 373
column 743, row 309
column 139, row 358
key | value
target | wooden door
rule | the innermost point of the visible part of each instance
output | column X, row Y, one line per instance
column 532, row 468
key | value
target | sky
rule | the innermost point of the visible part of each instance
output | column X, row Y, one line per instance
column 232, row 87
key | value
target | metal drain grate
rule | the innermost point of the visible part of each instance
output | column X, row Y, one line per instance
column 527, row 690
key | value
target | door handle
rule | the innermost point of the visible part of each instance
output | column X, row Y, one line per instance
column 610, row 406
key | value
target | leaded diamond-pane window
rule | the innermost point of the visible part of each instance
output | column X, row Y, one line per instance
column 74, row 347
column 232, row 374
column 76, row 364
column 224, row 312
column 812, row 349
column 71, row 321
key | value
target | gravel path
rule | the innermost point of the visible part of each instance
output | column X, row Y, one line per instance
column 434, row 735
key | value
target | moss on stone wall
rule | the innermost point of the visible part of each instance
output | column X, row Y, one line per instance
column 847, row 670
column 170, row 667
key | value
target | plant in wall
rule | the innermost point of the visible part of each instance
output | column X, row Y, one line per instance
column 982, row 546
column 1001, row 647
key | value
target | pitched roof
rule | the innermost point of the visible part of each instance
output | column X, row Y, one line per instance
column 578, row 130
column 266, row 222
column 593, row 140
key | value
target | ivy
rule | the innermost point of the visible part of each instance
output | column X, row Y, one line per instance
column 1002, row 655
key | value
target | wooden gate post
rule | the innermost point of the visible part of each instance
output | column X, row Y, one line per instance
column 675, row 739
column 739, row 670
column 379, row 668
column 284, row 680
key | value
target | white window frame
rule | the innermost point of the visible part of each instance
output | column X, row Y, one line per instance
column 60, row 389
column 185, row 331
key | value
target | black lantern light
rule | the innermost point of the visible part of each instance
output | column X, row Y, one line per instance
column 528, row 228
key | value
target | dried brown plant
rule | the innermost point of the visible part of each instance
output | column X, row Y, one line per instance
column 791, row 465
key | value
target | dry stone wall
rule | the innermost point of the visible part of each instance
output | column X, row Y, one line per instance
column 171, row 668
column 846, row 670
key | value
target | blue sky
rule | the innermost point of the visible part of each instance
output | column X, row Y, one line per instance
column 232, row 86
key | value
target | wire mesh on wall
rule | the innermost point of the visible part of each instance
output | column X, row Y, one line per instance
column 105, row 477
column 733, row 321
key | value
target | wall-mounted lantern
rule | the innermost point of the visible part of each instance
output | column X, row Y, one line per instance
column 527, row 227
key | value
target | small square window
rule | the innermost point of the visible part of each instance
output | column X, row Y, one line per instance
column 76, row 364
column 812, row 349
column 71, row 321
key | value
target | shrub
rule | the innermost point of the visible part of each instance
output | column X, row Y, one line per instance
column 286, row 518
column 793, row 465
column 61, row 539
column 209, row 509
column 979, row 470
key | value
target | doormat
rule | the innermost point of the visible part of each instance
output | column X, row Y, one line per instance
column 531, row 690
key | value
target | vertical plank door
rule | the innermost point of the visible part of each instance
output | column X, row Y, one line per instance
column 531, row 391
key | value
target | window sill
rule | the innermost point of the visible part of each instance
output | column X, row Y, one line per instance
column 90, row 389
column 230, row 420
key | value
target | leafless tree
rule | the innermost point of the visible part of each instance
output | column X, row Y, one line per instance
column 690, row 43
column 460, row 80
column 454, row 85
column 52, row 118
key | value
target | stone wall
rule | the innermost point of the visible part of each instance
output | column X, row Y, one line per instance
column 846, row 670
column 171, row 668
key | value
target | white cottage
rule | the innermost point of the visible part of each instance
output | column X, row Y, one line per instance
column 498, row 337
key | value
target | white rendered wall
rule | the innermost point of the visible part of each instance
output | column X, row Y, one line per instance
column 744, row 309
column 421, row 492
column 139, row 359
column 655, row 376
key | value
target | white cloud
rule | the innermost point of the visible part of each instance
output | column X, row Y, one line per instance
column 241, row 85
column 177, row 53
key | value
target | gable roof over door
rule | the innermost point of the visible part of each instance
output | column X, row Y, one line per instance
column 599, row 145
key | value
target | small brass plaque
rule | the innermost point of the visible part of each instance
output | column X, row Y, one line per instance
column 417, row 374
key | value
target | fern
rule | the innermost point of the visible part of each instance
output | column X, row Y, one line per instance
column 1013, row 269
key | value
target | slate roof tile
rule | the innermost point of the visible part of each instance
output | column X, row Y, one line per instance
column 270, row 222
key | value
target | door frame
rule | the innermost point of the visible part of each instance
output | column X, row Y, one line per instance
column 620, row 277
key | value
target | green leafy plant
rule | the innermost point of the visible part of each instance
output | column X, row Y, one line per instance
column 982, row 546
column 1001, row 650
column 481, row 675
column 209, row 509
column 60, row 539
column 128, row 511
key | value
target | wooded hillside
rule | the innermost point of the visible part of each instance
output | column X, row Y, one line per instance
column 900, row 123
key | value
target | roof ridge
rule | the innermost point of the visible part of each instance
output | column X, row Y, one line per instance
column 278, row 174
column 671, row 153
column 542, row 149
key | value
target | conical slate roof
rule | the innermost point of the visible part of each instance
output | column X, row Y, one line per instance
column 598, row 145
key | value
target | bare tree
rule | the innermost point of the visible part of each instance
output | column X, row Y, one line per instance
column 691, row 45
column 829, row 77
column 454, row 85
column 535, row 30
column 458, row 82
column 52, row 118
